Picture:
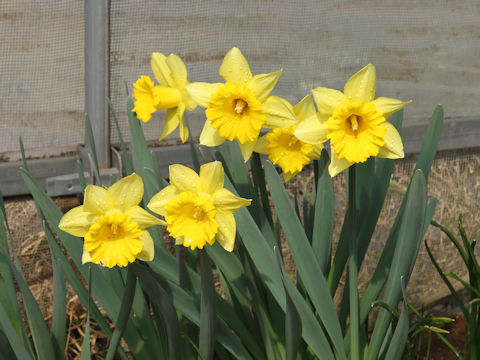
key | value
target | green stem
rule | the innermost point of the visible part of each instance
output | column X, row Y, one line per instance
column 208, row 320
column 123, row 314
column 353, row 267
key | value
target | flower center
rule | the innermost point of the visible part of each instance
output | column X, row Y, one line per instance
column 236, row 113
column 113, row 240
column 286, row 150
column 240, row 106
column 354, row 120
column 355, row 131
column 190, row 217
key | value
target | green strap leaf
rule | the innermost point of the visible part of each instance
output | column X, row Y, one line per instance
column 307, row 265
column 207, row 308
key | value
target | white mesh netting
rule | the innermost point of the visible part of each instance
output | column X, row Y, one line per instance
column 426, row 51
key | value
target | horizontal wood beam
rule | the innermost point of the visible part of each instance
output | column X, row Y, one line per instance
column 457, row 134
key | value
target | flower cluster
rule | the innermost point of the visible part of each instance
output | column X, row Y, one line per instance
column 196, row 208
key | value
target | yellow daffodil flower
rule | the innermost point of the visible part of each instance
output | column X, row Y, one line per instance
column 238, row 109
column 171, row 73
column 112, row 224
column 197, row 209
column 283, row 147
column 357, row 126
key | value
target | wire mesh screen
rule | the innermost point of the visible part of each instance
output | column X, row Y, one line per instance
column 42, row 74
column 423, row 50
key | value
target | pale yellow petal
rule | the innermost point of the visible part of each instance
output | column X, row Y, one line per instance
column 159, row 200
column 188, row 101
column 227, row 228
column 210, row 136
column 127, row 192
column 337, row 165
column 388, row 106
column 393, row 147
column 361, row 86
column 171, row 123
column 235, row 68
column 183, row 178
column 328, row 100
column 225, row 200
column 263, row 84
column 143, row 218
column 179, row 241
column 77, row 222
column 184, row 133
column 173, row 120
column 148, row 249
column 86, row 257
column 247, row 149
column 316, row 153
column 312, row 130
column 177, row 69
column 212, row 176
column 261, row 145
column 279, row 112
column 201, row 92
column 161, row 70
column 97, row 200
column 305, row 108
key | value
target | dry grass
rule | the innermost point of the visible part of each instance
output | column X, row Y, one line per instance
column 454, row 181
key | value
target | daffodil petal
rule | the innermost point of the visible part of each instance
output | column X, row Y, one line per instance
column 201, row 92
column 279, row 112
column 143, row 218
column 316, row 153
column 161, row 70
column 247, row 149
column 183, row 130
column 212, row 176
column 304, row 109
column 225, row 200
column 127, row 192
column 97, row 200
column 77, row 221
column 261, row 145
column 263, row 84
column 361, row 86
column 210, row 136
column 148, row 249
column 179, row 241
column 328, row 100
column 188, row 101
column 171, row 123
column 312, row 130
column 159, row 200
column 177, row 69
column 235, row 68
column 86, row 257
column 183, row 178
column 388, row 106
column 227, row 228
column 393, row 147
column 337, row 165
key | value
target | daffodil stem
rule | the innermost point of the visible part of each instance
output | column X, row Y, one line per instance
column 353, row 267
column 123, row 314
column 208, row 318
